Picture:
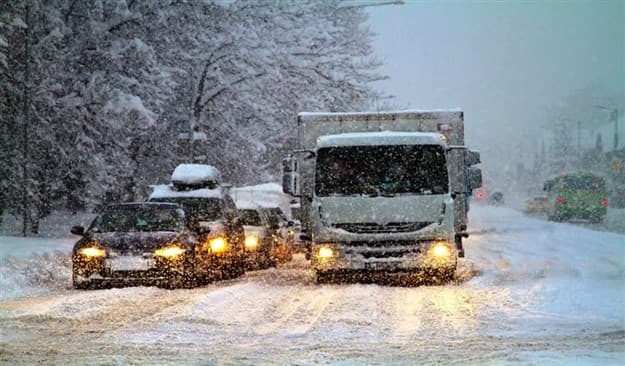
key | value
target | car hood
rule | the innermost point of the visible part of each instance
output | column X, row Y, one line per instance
column 139, row 242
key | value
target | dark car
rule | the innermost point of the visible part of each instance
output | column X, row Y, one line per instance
column 261, row 240
column 283, row 227
column 496, row 198
column 139, row 243
column 212, row 215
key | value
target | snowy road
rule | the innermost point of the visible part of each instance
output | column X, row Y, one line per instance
column 531, row 292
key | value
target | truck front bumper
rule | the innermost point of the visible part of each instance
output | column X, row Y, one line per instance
column 376, row 257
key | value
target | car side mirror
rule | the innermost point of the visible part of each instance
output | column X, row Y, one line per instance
column 290, row 223
column 77, row 230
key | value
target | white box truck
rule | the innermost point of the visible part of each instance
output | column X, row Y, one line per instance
column 383, row 193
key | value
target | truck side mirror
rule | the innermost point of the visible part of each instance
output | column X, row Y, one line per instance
column 547, row 186
column 472, row 157
column 289, row 165
column 456, row 169
column 290, row 177
column 290, row 184
column 475, row 178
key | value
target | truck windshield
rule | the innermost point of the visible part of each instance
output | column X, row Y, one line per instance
column 381, row 170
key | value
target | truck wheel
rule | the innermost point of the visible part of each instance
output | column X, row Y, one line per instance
column 445, row 275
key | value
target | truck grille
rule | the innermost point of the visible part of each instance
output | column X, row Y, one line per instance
column 373, row 228
column 394, row 254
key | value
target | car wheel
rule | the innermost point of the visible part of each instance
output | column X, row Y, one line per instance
column 324, row 277
column 79, row 284
column 84, row 285
column 554, row 217
column 235, row 270
column 180, row 281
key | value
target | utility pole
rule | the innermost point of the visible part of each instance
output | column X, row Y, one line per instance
column 26, row 116
column 579, row 138
column 613, row 117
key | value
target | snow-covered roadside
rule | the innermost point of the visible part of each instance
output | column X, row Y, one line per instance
column 563, row 276
column 34, row 266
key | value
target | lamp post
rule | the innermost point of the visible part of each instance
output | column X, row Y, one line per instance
column 613, row 117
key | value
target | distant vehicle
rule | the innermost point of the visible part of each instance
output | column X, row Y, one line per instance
column 210, row 212
column 139, row 244
column 577, row 195
column 496, row 198
column 536, row 205
column 284, row 231
column 261, row 240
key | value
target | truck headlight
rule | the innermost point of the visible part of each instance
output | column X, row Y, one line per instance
column 92, row 252
column 325, row 253
column 251, row 242
column 218, row 244
column 440, row 250
column 169, row 252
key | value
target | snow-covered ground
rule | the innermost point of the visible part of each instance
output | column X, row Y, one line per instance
column 529, row 292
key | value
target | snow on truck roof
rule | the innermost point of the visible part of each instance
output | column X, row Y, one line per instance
column 195, row 174
column 381, row 138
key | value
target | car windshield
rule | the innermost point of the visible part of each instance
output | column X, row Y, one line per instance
column 250, row 217
column 365, row 170
column 587, row 182
column 197, row 208
column 276, row 216
column 138, row 219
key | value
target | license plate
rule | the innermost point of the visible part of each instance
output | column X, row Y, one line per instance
column 380, row 266
column 128, row 263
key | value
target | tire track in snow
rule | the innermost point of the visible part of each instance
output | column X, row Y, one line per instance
column 296, row 312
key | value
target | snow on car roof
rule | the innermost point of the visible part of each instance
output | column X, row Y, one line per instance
column 247, row 205
column 168, row 191
column 381, row 138
column 266, row 195
column 193, row 174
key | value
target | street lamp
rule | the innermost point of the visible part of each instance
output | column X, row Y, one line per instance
column 613, row 117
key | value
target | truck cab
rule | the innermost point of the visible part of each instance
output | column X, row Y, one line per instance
column 392, row 201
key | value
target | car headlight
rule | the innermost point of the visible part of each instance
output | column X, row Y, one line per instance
column 440, row 250
column 325, row 253
column 218, row 244
column 92, row 252
column 169, row 252
column 251, row 242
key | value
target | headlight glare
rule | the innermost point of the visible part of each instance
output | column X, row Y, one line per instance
column 440, row 250
column 325, row 253
column 218, row 244
column 169, row 252
column 92, row 252
column 251, row 242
